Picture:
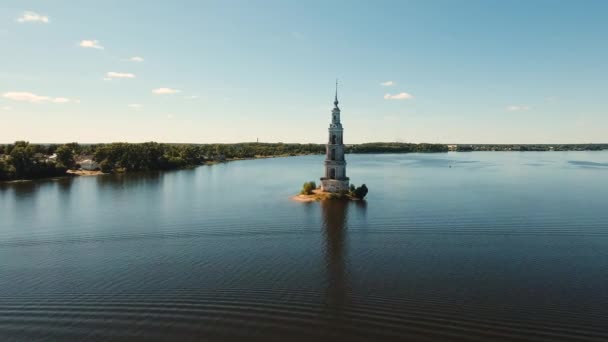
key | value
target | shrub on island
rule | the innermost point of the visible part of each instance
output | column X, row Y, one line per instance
column 308, row 187
column 359, row 192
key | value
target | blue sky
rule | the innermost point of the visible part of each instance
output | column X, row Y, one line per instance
column 232, row 71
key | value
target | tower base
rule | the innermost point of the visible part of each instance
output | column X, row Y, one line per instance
column 334, row 185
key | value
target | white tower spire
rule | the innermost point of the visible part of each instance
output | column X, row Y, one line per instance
column 336, row 98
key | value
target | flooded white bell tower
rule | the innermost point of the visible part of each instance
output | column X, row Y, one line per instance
column 335, row 179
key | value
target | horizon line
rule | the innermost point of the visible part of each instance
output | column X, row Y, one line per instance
column 300, row 143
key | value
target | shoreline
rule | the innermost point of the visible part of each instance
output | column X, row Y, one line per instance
column 273, row 156
column 87, row 173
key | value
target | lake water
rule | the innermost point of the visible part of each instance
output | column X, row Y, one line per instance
column 453, row 246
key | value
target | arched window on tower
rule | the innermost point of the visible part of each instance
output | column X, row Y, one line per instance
column 333, row 154
column 332, row 173
column 333, row 139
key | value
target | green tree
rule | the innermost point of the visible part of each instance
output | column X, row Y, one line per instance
column 5, row 173
column 22, row 159
column 65, row 156
column 308, row 187
column 360, row 192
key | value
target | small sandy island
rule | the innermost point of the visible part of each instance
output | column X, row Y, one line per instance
column 319, row 195
column 84, row 173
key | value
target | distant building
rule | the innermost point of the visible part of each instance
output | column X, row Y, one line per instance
column 335, row 179
column 87, row 163
column 452, row 147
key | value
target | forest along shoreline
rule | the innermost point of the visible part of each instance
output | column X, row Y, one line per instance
column 23, row 161
column 88, row 173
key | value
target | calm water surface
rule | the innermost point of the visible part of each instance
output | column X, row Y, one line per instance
column 499, row 246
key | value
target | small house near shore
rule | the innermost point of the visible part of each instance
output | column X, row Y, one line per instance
column 87, row 163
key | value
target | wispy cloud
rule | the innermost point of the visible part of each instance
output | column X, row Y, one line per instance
column 164, row 91
column 33, row 98
column 191, row 97
column 170, row 116
column 92, row 44
column 6, row 108
column 25, row 96
column 61, row 100
column 136, row 59
column 33, row 17
column 135, row 106
column 400, row 96
column 388, row 83
column 113, row 75
column 515, row 108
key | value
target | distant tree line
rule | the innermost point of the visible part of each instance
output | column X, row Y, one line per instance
column 382, row 147
column 531, row 147
column 23, row 160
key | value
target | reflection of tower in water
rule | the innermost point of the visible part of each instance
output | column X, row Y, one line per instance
column 334, row 230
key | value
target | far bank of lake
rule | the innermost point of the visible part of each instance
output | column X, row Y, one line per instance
column 23, row 161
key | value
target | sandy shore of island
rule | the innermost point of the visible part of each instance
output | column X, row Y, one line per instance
column 320, row 195
column 307, row 198
column 84, row 173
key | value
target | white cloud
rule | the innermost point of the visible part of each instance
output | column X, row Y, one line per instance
column 191, row 97
column 112, row 75
column 388, row 83
column 93, row 44
column 25, row 96
column 33, row 98
column 136, row 59
column 164, row 91
column 135, row 106
column 515, row 108
column 7, row 108
column 400, row 96
column 33, row 17
column 170, row 116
